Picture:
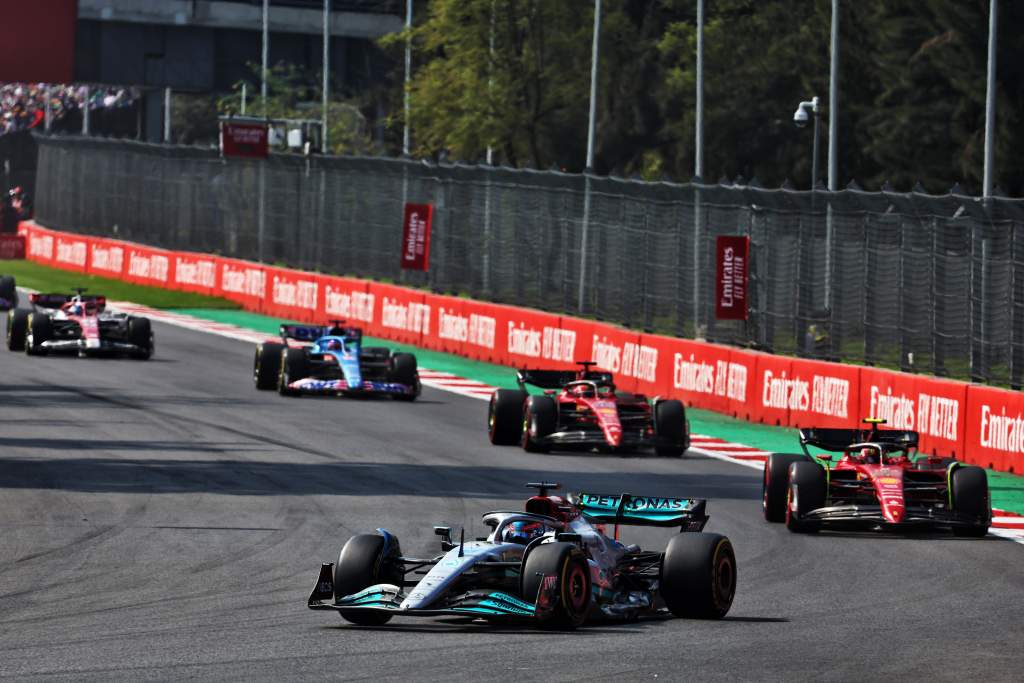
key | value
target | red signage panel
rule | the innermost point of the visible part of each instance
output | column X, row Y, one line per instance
column 247, row 140
column 12, row 246
column 732, row 262
column 416, row 236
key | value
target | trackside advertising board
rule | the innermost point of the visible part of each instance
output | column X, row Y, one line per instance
column 978, row 424
column 732, row 263
column 416, row 236
column 12, row 246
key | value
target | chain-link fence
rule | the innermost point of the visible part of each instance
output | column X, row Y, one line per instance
column 919, row 282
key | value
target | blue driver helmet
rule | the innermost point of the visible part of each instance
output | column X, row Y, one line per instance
column 523, row 532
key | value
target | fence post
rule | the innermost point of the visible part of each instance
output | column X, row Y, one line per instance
column 85, row 112
column 167, row 116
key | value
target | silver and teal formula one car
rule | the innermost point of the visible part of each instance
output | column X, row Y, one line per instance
column 332, row 361
column 552, row 563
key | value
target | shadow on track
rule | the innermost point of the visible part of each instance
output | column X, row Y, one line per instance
column 246, row 477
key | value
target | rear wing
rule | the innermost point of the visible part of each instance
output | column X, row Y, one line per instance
column 310, row 333
column 41, row 300
column 556, row 379
column 838, row 440
column 688, row 513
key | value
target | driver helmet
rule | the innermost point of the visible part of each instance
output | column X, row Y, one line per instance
column 333, row 345
column 869, row 456
column 76, row 308
column 523, row 532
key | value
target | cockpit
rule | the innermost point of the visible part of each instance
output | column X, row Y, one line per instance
column 875, row 453
column 590, row 389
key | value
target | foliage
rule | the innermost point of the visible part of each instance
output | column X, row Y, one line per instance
column 911, row 87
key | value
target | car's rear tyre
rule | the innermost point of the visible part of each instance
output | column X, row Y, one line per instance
column 540, row 418
column 364, row 562
column 698, row 575
column 807, row 490
column 140, row 334
column 971, row 497
column 505, row 417
column 266, row 366
column 40, row 329
column 17, row 327
column 404, row 371
column 8, row 291
column 568, row 563
column 294, row 366
column 775, row 484
column 670, row 428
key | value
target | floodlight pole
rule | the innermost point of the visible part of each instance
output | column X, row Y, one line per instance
column 408, row 74
column 327, row 66
column 265, row 54
column 990, row 98
column 590, row 152
column 698, row 165
column 167, row 116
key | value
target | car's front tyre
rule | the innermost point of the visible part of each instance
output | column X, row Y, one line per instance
column 363, row 562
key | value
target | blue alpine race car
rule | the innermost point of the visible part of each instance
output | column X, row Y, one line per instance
column 333, row 361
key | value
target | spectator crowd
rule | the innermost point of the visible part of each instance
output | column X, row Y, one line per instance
column 23, row 105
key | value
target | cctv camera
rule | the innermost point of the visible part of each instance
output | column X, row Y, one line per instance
column 800, row 117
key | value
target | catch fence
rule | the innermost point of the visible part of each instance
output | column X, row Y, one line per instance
column 919, row 282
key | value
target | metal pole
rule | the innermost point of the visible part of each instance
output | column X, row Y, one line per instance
column 85, row 113
column 49, row 108
column 814, row 152
column 262, row 219
column 266, row 54
column 408, row 75
column 590, row 152
column 490, row 89
column 593, row 86
column 327, row 66
column 244, row 97
column 167, row 115
column 990, row 98
column 833, row 103
column 698, row 162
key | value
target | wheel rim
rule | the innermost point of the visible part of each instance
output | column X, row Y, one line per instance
column 576, row 588
column 724, row 579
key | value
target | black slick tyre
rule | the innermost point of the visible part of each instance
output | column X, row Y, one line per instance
column 17, row 327
column 698, row 575
column 971, row 498
column 294, row 366
column 40, row 329
column 364, row 562
column 806, row 493
column 540, row 418
column 266, row 365
column 403, row 370
column 505, row 417
column 670, row 428
column 568, row 563
column 140, row 334
column 775, row 484
column 8, row 292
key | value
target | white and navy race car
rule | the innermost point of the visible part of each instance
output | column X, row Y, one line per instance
column 551, row 563
column 77, row 323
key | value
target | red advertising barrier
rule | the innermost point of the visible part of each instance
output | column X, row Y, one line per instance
column 195, row 273
column 147, row 266
column 994, row 428
column 934, row 408
column 825, row 394
column 346, row 299
column 976, row 423
column 400, row 314
column 774, row 391
column 293, row 295
column 71, row 252
column 107, row 258
column 12, row 246
column 242, row 281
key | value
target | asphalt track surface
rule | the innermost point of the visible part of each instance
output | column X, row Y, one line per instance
column 163, row 520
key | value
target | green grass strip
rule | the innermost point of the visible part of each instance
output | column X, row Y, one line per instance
column 46, row 279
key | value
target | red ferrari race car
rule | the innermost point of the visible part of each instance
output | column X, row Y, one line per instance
column 581, row 409
column 878, row 481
